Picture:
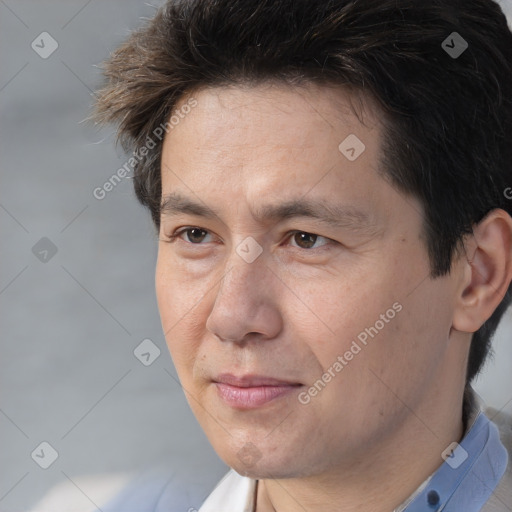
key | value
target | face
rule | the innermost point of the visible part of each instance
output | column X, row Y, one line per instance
column 292, row 280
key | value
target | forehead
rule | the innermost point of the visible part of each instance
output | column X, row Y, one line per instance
column 325, row 106
column 273, row 142
column 271, row 125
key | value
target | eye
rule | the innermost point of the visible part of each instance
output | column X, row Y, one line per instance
column 305, row 240
column 193, row 235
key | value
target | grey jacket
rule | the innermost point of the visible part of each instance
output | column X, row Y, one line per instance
column 501, row 499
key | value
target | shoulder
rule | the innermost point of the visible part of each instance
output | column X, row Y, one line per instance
column 84, row 492
column 161, row 489
column 501, row 499
column 141, row 494
column 166, row 491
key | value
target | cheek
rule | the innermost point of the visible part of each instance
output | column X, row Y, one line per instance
column 365, row 321
column 404, row 356
column 339, row 312
column 178, row 295
column 182, row 313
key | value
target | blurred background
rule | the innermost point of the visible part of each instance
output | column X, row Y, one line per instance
column 88, row 392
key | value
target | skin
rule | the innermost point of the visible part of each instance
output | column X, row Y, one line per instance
column 378, row 427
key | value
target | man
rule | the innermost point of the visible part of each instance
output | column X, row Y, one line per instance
column 330, row 182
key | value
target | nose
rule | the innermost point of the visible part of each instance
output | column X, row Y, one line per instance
column 246, row 304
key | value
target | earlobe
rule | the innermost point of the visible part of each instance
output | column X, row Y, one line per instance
column 487, row 271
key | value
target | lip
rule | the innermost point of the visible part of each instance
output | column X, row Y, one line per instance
column 251, row 381
column 252, row 391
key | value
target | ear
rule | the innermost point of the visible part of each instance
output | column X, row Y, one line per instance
column 486, row 271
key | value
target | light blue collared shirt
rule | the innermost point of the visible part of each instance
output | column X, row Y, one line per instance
column 468, row 477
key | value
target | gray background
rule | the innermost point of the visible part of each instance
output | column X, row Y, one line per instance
column 70, row 324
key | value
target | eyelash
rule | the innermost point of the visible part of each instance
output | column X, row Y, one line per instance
column 176, row 235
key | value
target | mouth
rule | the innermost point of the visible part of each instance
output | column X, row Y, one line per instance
column 252, row 391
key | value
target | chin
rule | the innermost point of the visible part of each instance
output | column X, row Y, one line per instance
column 251, row 462
column 262, row 471
column 274, row 471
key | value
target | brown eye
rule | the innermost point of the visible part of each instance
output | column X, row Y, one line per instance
column 195, row 235
column 305, row 240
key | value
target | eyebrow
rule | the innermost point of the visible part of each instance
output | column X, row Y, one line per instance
column 334, row 215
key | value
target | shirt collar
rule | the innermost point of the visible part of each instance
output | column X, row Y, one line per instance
column 468, row 476
column 234, row 493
